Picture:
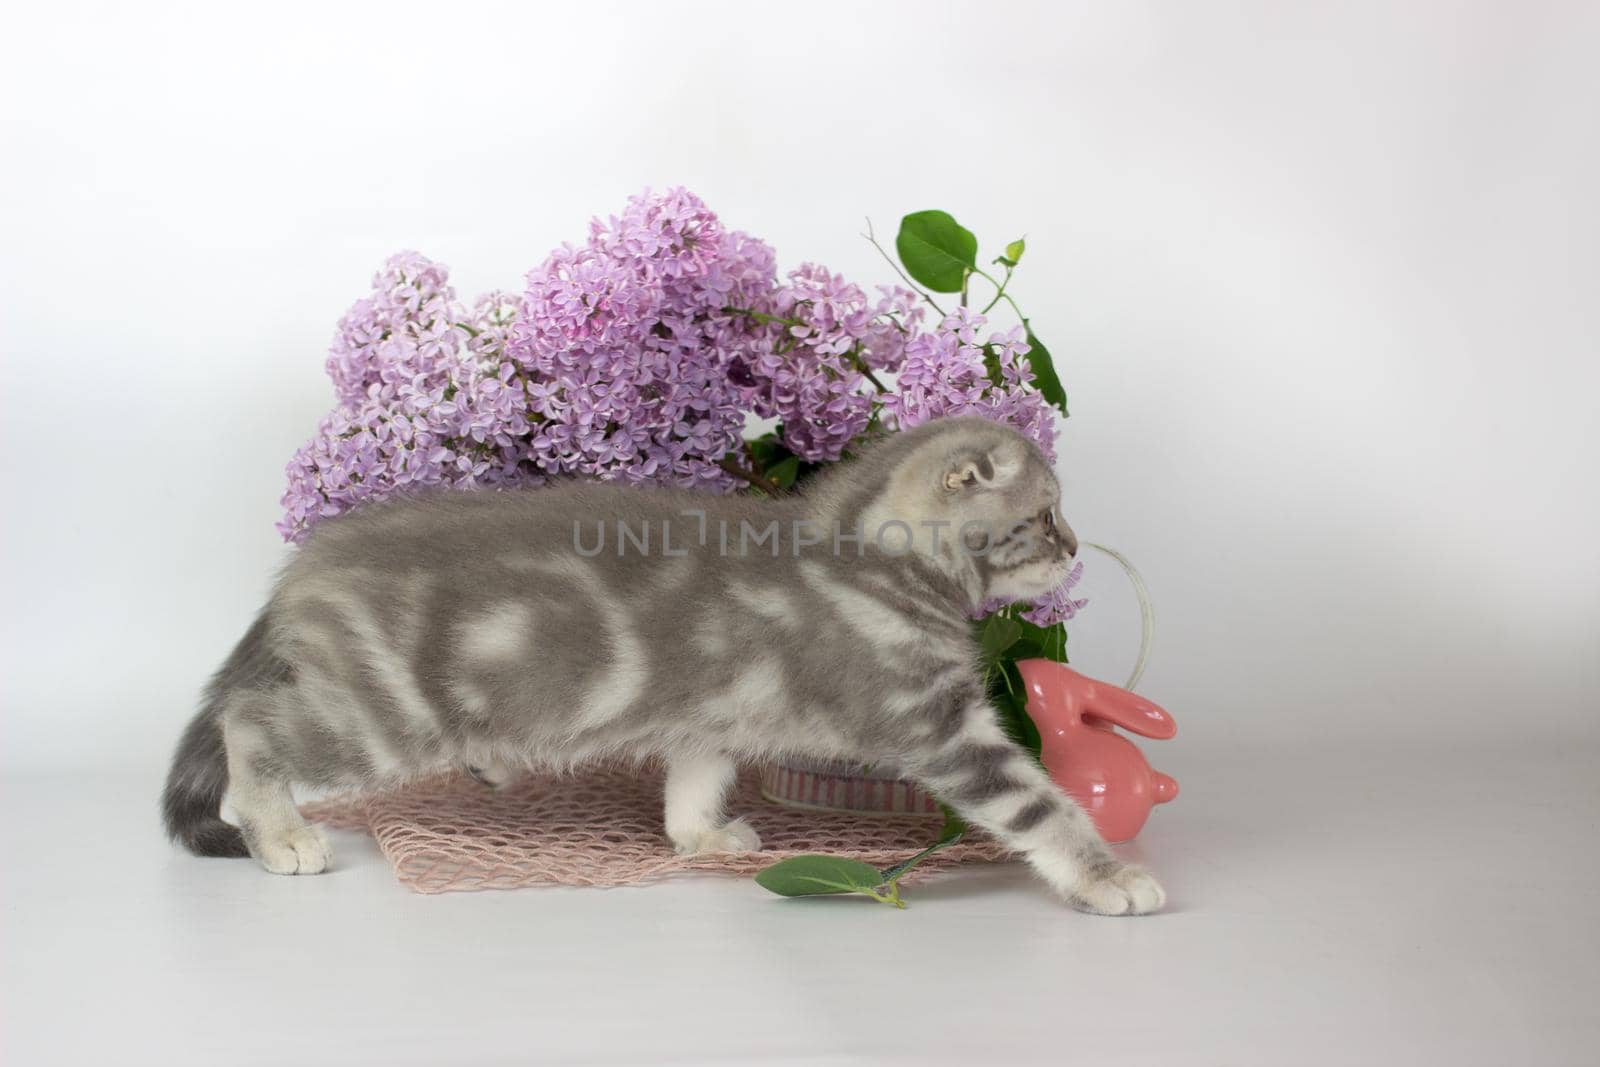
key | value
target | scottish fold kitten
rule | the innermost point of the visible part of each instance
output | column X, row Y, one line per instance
column 550, row 627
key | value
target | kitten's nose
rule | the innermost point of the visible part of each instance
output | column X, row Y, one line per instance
column 1069, row 540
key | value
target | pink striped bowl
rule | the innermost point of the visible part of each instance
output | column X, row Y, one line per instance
column 845, row 787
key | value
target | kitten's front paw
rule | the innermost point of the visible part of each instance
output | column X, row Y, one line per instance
column 304, row 850
column 735, row 836
column 1118, row 889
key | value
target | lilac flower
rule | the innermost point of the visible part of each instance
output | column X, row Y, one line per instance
column 815, row 345
column 425, row 397
column 356, row 455
column 1058, row 606
column 405, row 329
column 948, row 372
column 628, row 345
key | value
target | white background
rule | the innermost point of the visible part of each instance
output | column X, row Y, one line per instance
column 1321, row 282
column 1322, row 288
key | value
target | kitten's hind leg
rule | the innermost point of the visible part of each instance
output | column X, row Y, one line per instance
column 258, row 790
column 697, row 783
column 491, row 773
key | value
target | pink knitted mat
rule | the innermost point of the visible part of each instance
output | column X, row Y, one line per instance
column 603, row 828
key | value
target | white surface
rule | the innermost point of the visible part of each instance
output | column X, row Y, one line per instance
column 1394, row 904
column 1320, row 281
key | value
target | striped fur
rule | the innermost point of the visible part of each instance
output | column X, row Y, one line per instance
column 471, row 630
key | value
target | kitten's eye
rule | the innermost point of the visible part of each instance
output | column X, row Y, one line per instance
column 1049, row 518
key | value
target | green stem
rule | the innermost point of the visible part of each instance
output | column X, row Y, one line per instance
column 873, row 240
column 861, row 365
column 891, row 897
column 762, row 316
column 728, row 464
column 755, row 462
column 893, row 874
column 1000, row 293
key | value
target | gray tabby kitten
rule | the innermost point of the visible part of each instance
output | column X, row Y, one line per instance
column 550, row 627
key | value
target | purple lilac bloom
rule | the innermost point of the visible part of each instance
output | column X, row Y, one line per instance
column 1058, row 606
column 810, row 370
column 403, row 331
column 629, row 344
column 425, row 398
column 943, row 373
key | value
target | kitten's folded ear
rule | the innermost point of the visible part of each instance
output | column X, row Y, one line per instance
column 979, row 470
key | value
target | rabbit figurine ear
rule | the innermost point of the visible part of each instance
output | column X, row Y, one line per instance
column 1057, row 690
column 1133, row 713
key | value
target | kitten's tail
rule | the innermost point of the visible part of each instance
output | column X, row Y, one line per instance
column 191, row 805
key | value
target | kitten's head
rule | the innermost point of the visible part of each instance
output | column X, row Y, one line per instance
column 983, row 503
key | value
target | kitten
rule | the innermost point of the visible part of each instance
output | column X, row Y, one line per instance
column 549, row 627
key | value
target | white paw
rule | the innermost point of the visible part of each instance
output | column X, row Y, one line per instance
column 1122, row 889
column 304, row 850
column 735, row 836
column 492, row 774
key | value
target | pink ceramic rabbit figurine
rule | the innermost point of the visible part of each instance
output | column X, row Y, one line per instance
column 1104, row 771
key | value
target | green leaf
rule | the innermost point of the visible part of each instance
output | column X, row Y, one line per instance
column 765, row 451
column 999, row 633
column 1026, row 647
column 809, row 876
column 936, row 250
column 1049, row 641
column 1044, row 371
column 991, row 365
column 768, row 449
column 1013, row 254
column 785, row 472
column 1014, row 711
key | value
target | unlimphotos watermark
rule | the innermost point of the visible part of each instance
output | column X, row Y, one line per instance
column 661, row 537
